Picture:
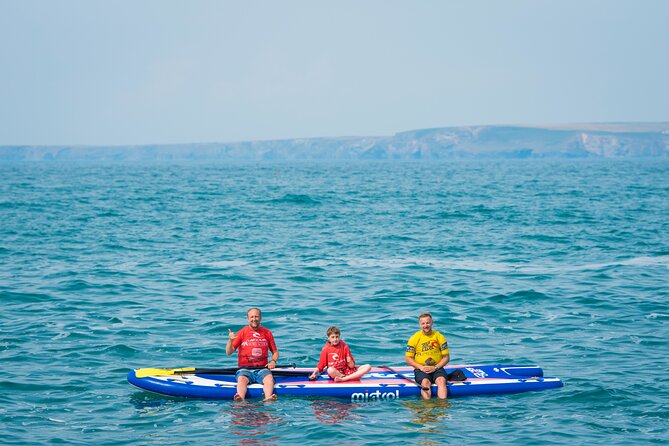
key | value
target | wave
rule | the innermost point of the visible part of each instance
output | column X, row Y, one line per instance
column 489, row 266
column 121, row 350
column 446, row 264
column 15, row 296
column 521, row 296
column 227, row 264
column 300, row 199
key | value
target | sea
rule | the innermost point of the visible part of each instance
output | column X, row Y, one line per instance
column 559, row 263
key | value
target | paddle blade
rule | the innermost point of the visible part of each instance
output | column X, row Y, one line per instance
column 143, row 373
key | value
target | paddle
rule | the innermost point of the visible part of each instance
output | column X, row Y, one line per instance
column 403, row 376
column 143, row 373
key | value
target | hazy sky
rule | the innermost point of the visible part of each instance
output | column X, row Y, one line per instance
column 138, row 72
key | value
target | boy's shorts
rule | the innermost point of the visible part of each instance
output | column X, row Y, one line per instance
column 253, row 375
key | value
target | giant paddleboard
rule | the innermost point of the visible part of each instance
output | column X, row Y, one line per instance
column 381, row 383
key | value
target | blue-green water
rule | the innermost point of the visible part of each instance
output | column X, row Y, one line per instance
column 560, row 263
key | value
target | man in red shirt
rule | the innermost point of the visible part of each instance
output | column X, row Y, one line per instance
column 254, row 343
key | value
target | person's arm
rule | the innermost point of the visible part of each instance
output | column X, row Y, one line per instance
column 445, row 356
column 229, row 349
column 349, row 358
column 275, row 357
column 411, row 354
column 275, row 352
column 443, row 362
column 315, row 374
column 322, row 363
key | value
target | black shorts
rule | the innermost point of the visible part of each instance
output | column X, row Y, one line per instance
column 420, row 375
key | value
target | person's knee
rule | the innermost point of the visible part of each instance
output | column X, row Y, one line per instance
column 243, row 380
column 440, row 381
column 269, row 379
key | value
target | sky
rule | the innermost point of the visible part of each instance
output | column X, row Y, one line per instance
column 125, row 72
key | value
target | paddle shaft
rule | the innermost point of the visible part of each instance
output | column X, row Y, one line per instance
column 403, row 376
column 274, row 371
column 233, row 370
column 279, row 371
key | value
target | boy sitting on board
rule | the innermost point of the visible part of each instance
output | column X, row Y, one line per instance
column 336, row 357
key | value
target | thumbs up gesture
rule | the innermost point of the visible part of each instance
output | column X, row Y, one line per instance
column 229, row 349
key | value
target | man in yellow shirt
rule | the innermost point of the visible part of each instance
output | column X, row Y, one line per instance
column 427, row 353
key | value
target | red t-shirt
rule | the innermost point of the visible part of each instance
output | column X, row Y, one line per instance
column 254, row 346
column 334, row 356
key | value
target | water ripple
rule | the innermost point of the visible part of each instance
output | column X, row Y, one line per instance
column 105, row 268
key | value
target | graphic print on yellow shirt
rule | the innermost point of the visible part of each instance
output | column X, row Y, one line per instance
column 427, row 350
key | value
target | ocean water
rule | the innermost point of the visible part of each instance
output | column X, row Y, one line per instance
column 564, row 264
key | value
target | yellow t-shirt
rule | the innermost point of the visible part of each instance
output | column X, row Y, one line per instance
column 427, row 350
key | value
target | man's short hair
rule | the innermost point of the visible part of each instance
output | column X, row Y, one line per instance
column 254, row 308
column 426, row 314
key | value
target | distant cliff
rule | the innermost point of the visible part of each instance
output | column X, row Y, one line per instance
column 621, row 140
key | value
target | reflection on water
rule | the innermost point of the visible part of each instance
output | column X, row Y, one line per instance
column 427, row 416
column 333, row 411
column 152, row 404
column 252, row 421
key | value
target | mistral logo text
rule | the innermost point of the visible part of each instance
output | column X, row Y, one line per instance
column 375, row 396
